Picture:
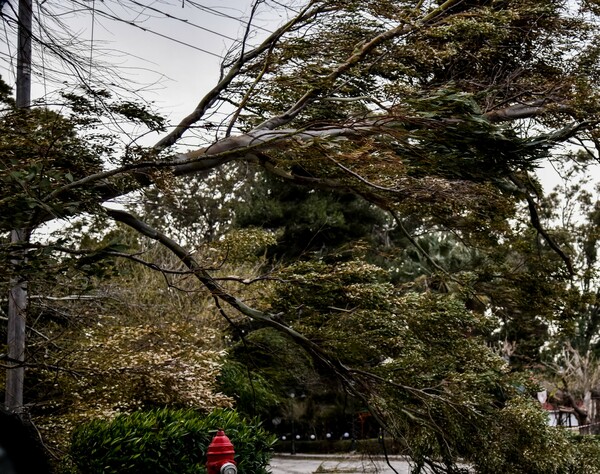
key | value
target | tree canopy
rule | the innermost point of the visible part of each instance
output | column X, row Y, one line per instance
column 380, row 99
column 388, row 150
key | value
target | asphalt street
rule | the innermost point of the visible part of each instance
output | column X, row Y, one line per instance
column 309, row 464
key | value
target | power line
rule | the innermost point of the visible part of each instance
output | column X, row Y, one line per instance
column 10, row 55
column 148, row 30
column 183, row 20
column 84, row 5
column 115, row 17
column 225, row 15
column 287, row 7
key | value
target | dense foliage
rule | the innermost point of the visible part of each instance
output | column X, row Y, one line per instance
column 167, row 441
column 400, row 242
column 112, row 343
column 424, row 363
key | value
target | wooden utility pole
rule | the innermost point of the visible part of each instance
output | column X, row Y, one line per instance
column 17, row 298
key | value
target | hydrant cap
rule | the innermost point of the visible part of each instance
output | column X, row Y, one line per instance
column 220, row 444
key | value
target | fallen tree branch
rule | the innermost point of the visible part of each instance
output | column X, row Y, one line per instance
column 354, row 385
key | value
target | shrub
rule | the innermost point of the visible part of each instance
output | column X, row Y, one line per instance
column 167, row 441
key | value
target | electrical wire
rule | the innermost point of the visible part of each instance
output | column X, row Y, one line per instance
column 148, row 30
column 287, row 7
column 183, row 20
column 10, row 55
column 83, row 5
column 225, row 15
column 116, row 17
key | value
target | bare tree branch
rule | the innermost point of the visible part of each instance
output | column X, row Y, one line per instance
column 209, row 99
column 537, row 225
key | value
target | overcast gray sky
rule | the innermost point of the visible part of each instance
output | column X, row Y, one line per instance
column 168, row 50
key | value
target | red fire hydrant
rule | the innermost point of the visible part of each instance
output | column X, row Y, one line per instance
column 219, row 457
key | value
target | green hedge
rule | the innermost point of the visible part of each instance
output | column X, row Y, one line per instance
column 167, row 441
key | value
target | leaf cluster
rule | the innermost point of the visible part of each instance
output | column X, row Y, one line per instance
column 167, row 441
column 40, row 151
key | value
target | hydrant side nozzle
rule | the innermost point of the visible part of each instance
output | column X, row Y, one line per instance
column 228, row 468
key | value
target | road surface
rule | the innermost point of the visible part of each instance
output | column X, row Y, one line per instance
column 309, row 464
